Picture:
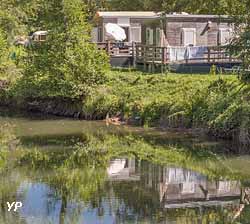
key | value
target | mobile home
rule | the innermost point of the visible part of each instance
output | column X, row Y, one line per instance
column 131, row 22
column 185, row 30
column 188, row 43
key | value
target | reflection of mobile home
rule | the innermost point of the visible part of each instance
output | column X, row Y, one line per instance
column 177, row 186
column 123, row 169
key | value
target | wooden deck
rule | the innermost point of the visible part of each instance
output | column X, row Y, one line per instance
column 153, row 58
column 121, row 54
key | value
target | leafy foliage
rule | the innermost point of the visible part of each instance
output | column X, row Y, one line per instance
column 240, row 44
column 220, row 7
column 67, row 64
column 217, row 103
column 80, row 174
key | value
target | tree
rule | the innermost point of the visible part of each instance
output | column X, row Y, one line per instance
column 93, row 6
column 67, row 64
column 125, row 5
column 14, row 17
column 194, row 7
column 240, row 43
column 220, row 7
column 6, row 36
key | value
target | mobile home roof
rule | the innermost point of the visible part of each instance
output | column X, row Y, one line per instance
column 195, row 16
column 135, row 14
column 150, row 14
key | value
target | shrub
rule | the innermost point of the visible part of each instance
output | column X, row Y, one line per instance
column 67, row 64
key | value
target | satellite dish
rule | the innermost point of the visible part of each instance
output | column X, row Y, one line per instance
column 115, row 32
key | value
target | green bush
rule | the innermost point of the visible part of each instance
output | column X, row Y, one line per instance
column 218, row 104
column 66, row 64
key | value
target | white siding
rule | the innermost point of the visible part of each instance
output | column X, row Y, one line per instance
column 123, row 21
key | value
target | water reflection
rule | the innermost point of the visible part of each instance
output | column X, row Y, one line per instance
column 133, row 192
column 177, row 185
column 123, row 169
column 179, row 195
column 80, row 173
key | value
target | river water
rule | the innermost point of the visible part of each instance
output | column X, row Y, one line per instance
column 149, row 176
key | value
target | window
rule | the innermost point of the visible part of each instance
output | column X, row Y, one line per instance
column 149, row 36
column 188, row 36
column 135, row 34
column 39, row 37
column 224, row 36
column 42, row 37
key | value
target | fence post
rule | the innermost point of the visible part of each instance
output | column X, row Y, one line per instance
column 153, row 59
column 108, row 48
column 230, row 57
column 163, row 59
column 137, row 54
column 134, row 53
column 208, row 54
column 144, row 57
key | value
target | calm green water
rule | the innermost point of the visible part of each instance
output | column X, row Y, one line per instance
column 70, row 171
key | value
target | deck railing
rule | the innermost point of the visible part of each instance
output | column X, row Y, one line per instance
column 153, row 54
column 152, row 57
column 161, row 55
column 117, row 49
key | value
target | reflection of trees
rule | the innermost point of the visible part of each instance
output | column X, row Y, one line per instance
column 75, row 176
column 9, row 184
column 205, row 215
column 200, row 160
column 142, row 202
column 79, row 175
column 243, row 210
